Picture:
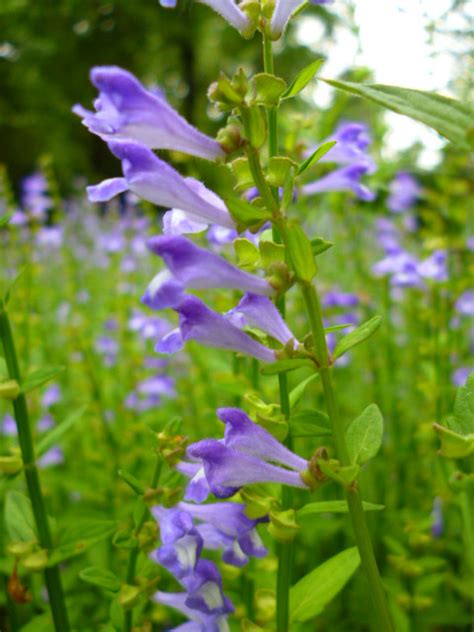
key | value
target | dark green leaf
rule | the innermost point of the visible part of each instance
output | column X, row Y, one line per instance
column 364, row 435
column 100, row 577
column 310, row 423
column 302, row 79
column 283, row 366
column 357, row 336
column 19, row 519
column 314, row 591
column 40, row 377
column 333, row 506
column 449, row 117
column 321, row 151
column 54, row 435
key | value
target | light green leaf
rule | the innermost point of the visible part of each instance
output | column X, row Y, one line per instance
column 449, row 117
column 300, row 253
column 314, row 591
column 4, row 219
column 364, row 435
column 40, row 377
column 453, row 444
column 100, row 577
column 298, row 392
column 310, row 423
column 357, row 336
column 80, row 536
column 244, row 213
column 268, row 89
column 333, row 506
column 321, row 151
column 302, row 79
column 464, row 407
column 19, row 518
column 54, row 435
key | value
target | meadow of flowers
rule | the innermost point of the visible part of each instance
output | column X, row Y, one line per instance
column 244, row 405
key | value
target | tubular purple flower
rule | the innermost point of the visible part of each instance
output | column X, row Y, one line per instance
column 434, row 267
column 198, row 322
column 127, row 111
column 227, row 9
column 465, row 303
column 282, row 14
column 154, row 180
column 227, row 470
column 193, row 267
column 352, row 139
column 344, row 179
column 404, row 190
column 200, row 622
column 215, row 540
column 198, row 487
column 402, row 267
column 204, row 588
column 260, row 312
column 243, row 435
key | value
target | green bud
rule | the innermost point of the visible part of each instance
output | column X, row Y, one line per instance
column 124, row 539
column 223, row 93
column 36, row 561
column 265, row 605
column 10, row 389
column 320, row 245
column 251, row 8
column 283, row 526
column 21, row 549
column 129, row 596
column 257, row 501
column 267, row 89
column 230, row 138
column 241, row 171
column 279, row 170
column 11, row 464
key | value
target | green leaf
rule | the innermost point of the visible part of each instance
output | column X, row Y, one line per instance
column 283, row 366
column 241, row 171
column 4, row 219
column 357, row 336
column 100, row 577
column 42, row 623
column 320, row 245
column 321, row 151
column 40, row 377
column 453, row 444
column 302, row 79
column 271, row 253
column 342, row 474
column 300, row 253
column 268, row 89
column 314, row 591
column 464, row 407
column 449, row 117
column 298, row 392
column 247, row 253
column 279, row 167
column 333, row 506
column 364, row 435
column 245, row 213
column 132, row 482
column 54, row 435
column 310, row 423
column 19, row 518
column 256, row 126
column 80, row 536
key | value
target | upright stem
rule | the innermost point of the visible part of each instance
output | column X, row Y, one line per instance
column 52, row 577
column 354, row 500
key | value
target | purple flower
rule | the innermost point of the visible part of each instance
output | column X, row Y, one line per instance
column 127, row 111
column 282, row 14
column 352, row 140
column 402, row 267
column 459, row 377
column 148, row 326
column 54, row 456
column 204, row 589
column 434, row 267
column 243, row 435
column 465, row 303
column 33, row 195
column 227, row 469
column 50, row 237
column 260, row 312
column 193, row 267
column 335, row 298
column 198, row 322
column 9, row 426
column 155, row 181
column 158, row 385
column 51, row 396
column 45, row 423
column 181, row 543
column 404, row 191
column 108, row 348
column 437, row 526
column 178, row 222
column 199, row 622
column 228, row 9
column 198, row 487
column 344, row 179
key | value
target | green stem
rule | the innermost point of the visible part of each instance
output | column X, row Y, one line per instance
column 272, row 113
column 354, row 500
column 52, row 577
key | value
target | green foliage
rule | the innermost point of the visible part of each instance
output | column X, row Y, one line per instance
column 39, row 377
column 364, row 435
column 317, row 154
column 333, row 506
column 463, row 420
column 300, row 253
column 57, row 433
column 100, row 577
column 19, row 519
column 360, row 334
column 302, row 79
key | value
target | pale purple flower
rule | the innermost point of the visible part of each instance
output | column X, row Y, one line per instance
column 154, row 180
column 227, row 470
column 437, row 525
column 402, row 267
column 51, row 396
column 282, row 14
column 127, row 111
column 148, row 326
column 198, row 487
column 9, row 426
column 198, row 322
column 459, row 377
column 228, row 9
column 352, row 139
column 34, row 195
column 343, row 179
column 335, row 298
column 178, row 222
column 108, row 348
column 404, row 190
column 465, row 303
column 204, row 589
column 54, row 456
column 192, row 267
column 50, row 237
column 199, row 622
column 434, row 267
column 46, row 422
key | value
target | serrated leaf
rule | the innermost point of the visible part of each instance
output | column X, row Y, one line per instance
column 449, row 117
column 357, row 336
column 283, row 366
column 100, row 577
column 333, row 506
column 310, row 423
column 297, row 393
column 314, row 591
column 40, row 377
column 54, row 435
column 364, row 435
column 464, row 407
column 80, row 536
column 19, row 518
column 302, row 79
column 321, row 151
